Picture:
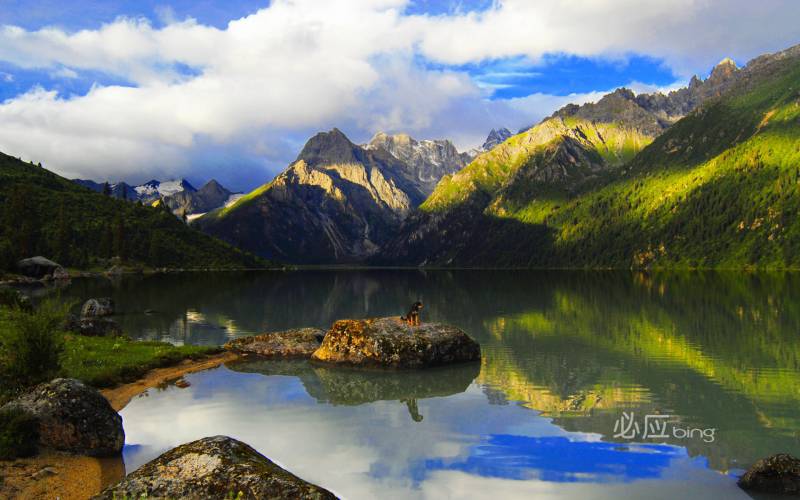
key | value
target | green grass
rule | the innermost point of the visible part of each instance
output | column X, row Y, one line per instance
column 105, row 362
column 245, row 200
column 97, row 361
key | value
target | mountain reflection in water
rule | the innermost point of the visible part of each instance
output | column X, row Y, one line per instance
column 564, row 354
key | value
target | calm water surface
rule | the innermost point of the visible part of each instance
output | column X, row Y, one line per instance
column 579, row 372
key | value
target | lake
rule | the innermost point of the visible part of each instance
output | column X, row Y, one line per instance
column 592, row 384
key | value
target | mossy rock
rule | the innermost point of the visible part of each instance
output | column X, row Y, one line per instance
column 391, row 343
column 213, row 467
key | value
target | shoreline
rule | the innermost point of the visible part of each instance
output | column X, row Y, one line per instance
column 121, row 395
column 55, row 474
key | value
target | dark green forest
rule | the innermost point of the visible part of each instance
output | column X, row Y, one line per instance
column 44, row 214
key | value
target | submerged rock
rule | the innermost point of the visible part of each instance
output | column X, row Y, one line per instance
column 213, row 467
column 389, row 342
column 95, row 308
column 73, row 417
column 776, row 474
column 38, row 267
column 298, row 343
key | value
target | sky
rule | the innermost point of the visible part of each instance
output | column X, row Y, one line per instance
column 139, row 89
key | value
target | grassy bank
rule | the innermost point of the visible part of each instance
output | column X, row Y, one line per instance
column 105, row 362
column 28, row 358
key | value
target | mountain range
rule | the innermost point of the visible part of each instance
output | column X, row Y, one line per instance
column 179, row 195
column 42, row 213
column 338, row 202
column 705, row 176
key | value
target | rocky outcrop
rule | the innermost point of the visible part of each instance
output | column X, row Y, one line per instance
column 209, row 197
column 298, row 343
column 778, row 474
column 389, row 342
column 73, row 417
column 213, row 467
column 39, row 267
column 335, row 204
column 427, row 161
column 96, row 308
column 495, row 137
column 92, row 327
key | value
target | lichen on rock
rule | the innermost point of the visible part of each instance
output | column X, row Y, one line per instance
column 776, row 474
column 213, row 467
column 389, row 342
column 73, row 417
column 297, row 343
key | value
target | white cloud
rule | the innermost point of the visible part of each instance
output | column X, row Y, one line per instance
column 301, row 65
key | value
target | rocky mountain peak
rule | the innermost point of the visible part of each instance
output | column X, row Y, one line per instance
column 495, row 137
column 332, row 147
column 724, row 70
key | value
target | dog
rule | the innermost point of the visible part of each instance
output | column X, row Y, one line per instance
column 412, row 318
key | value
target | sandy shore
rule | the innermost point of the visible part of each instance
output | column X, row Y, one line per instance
column 120, row 396
column 55, row 475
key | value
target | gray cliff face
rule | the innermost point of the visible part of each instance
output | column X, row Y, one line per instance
column 495, row 137
column 654, row 113
column 426, row 161
column 212, row 195
column 335, row 204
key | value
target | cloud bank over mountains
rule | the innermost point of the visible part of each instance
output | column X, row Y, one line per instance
column 174, row 97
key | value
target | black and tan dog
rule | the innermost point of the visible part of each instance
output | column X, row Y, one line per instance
column 412, row 318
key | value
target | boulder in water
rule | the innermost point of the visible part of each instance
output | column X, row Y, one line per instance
column 298, row 343
column 73, row 417
column 38, row 267
column 776, row 474
column 390, row 342
column 95, row 308
column 213, row 467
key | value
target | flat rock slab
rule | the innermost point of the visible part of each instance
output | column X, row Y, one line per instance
column 73, row 417
column 213, row 467
column 776, row 474
column 391, row 343
column 299, row 343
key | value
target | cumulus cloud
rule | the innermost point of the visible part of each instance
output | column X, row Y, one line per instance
column 197, row 98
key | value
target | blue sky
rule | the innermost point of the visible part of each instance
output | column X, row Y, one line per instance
column 134, row 89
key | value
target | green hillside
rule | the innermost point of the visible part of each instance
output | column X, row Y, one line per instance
column 42, row 213
column 718, row 189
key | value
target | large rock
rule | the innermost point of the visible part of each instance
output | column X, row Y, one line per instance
column 299, row 343
column 776, row 474
column 92, row 326
column 95, row 308
column 38, row 267
column 213, row 467
column 389, row 342
column 73, row 417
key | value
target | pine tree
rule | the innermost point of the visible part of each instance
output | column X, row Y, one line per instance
column 119, row 236
column 62, row 235
column 106, row 189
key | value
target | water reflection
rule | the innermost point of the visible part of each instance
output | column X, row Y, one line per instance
column 564, row 354
column 343, row 386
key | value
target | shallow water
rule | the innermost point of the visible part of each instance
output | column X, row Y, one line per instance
column 709, row 363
